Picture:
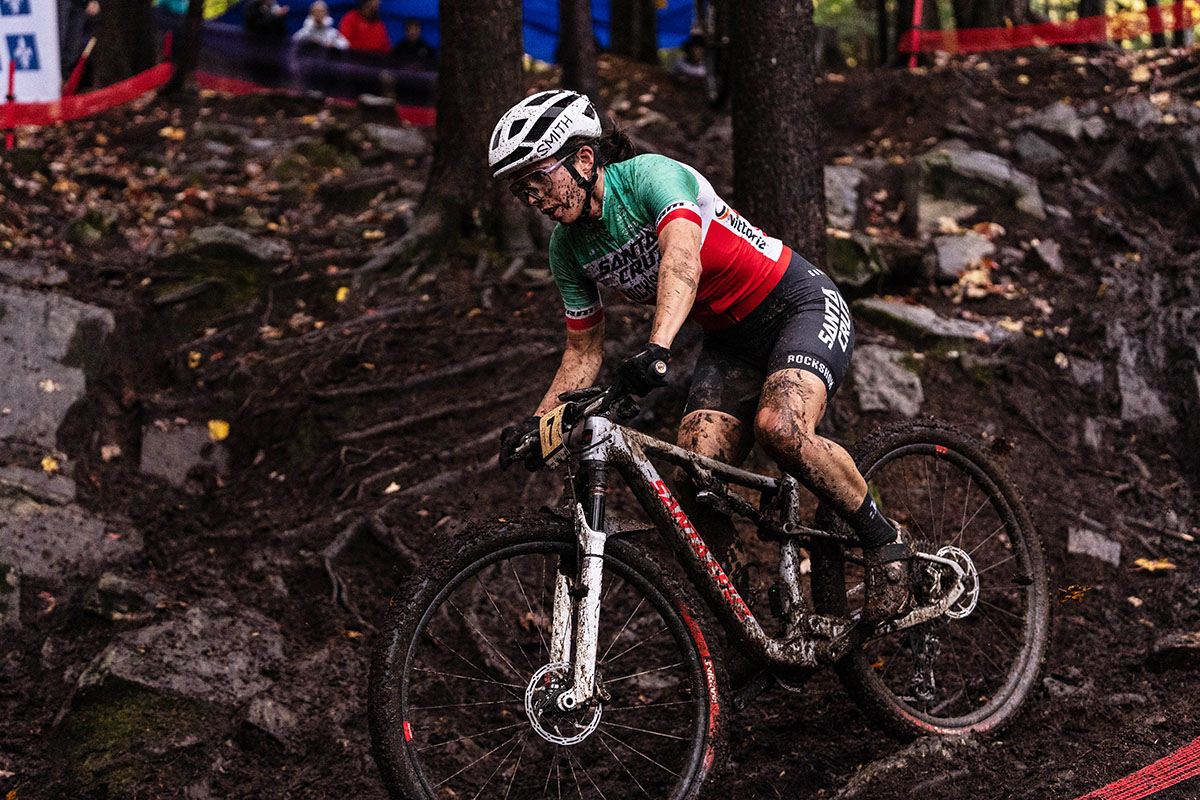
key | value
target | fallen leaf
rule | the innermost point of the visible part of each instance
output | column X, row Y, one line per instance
column 174, row 134
column 1154, row 565
column 392, row 488
column 110, row 451
column 373, row 234
column 218, row 429
column 1140, row 74
column 194, row 359
column 342, row 293
column 1061, row 361
column 1136, row 602
column 50, row 464
column 50, row 602
column 353, row 635
column 1023, row 80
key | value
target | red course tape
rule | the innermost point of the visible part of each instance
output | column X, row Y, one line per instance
column 1178, row 767
column 1127, row 25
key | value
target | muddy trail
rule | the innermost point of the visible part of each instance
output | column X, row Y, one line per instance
column 275, row 434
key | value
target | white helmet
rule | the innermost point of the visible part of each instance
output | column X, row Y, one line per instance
column 538, row 126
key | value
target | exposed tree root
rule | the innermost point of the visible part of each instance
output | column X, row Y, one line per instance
column 427, row 226
column 374, row 525
column 394, row 425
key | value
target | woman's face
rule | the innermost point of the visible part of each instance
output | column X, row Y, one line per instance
column 549, row 187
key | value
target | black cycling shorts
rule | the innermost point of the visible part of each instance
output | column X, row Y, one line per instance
column 802, row 324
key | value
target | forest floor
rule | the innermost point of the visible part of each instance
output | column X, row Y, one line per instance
column 328, row 380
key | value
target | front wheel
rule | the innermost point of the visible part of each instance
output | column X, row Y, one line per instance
column 461, row 690
column 970, row 669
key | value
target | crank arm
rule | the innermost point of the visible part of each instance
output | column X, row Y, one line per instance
column 926, row 613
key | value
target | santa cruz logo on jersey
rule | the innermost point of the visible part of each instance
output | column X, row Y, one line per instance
column 836, row 326
column 632, row 269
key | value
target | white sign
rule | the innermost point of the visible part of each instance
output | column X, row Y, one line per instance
column 29, row 39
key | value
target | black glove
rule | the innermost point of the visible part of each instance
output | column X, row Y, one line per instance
column 511, row 436
column 645, row 371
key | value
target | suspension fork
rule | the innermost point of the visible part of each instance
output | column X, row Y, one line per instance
column 576, row 624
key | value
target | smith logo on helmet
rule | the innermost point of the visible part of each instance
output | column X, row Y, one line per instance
column 550, row 143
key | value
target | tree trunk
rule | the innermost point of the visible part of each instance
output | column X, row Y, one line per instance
column 881, row 31
column 778, row 168
column 188, row 54
column 124, row 41
column 479, row 78
column 635, row 30
column 577, row 49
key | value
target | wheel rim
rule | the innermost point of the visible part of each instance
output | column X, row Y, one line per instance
column 481, row 649
column 959, row 670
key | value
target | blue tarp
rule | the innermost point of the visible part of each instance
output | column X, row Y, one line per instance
column 541, row 21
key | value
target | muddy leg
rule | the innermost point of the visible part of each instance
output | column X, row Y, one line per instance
column 792, row 403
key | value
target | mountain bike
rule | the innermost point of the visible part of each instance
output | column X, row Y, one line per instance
column 559, row 656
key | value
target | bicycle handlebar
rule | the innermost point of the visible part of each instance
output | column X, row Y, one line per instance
column 588, row 402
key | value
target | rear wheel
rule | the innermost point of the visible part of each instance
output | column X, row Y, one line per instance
column 970, row 669
column 462, row 689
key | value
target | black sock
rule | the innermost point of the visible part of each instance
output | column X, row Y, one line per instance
column 872, row 528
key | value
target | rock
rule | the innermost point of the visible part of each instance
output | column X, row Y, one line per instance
column 931, row 210
column 1137, row 110
column 1095, row 128
column 47, row 343
column 1058, row 118
column 53, row 542
column 272, row 718
column 1089, row 543
column 951, row 171
column 225, row 243
column 1093, row 434
column 218, row 149
column 1126, row 699
column 921, row 324
column 221, row 132
column 407, row 142
column 1176, row 651
column 1061, row 689
column 1036, row 151
column 1087, row 374
column 883, row 383
column 50, row 487
column 121, row 600
column 852, row 260
column 1047, row 253
column 957, row 253
column 1139, row 402
column 10, row 596
column 259, row 145
column 842, row 184
column 171, row 451
column 32, row 273
column 1119, row 161
column 927, row 754
column 212, row 652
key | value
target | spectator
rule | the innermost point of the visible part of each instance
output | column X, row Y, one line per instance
column 691, row 68
column 364, row 29
column 413, row 50
column 266, row 17
column 318, row 28
column 170, row 16
column 76, row 21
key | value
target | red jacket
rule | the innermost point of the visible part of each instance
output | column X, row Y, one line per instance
column 364, row 35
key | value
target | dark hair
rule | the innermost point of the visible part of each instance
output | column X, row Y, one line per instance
column 610, row 147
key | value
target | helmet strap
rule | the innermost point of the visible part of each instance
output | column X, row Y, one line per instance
column 587, row 184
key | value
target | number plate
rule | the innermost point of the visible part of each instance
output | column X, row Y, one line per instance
column 550, row 430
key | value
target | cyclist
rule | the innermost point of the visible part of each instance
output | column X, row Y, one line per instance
column 777, row 334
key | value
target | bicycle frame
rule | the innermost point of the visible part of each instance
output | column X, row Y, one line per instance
column 601, row 443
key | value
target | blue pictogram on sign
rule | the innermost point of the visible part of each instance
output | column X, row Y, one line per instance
column 14, row 8
column 22, row 49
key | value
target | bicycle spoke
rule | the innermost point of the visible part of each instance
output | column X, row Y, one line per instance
column 472, row 664
column 589, row 777
column 962, row 528
column 622, row 630
column 644, row 730
column 610, row 709
column 532, row 616
column 481, row 635
column 1017, row 617
column 549, row 772
column 473, row 763
column 643, row 672
column 641, row 642
column 471, row 736
column 638, row 752
column 500, row 615
column 463, row 705
column 999, row 528
column 622, row 765
column 516, row 767
column 467, row 678
column 993, row 566
column 497, row 769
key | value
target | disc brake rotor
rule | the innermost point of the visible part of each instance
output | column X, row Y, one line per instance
column 551, row 723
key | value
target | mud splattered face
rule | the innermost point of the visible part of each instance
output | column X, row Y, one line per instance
column 552, row 189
